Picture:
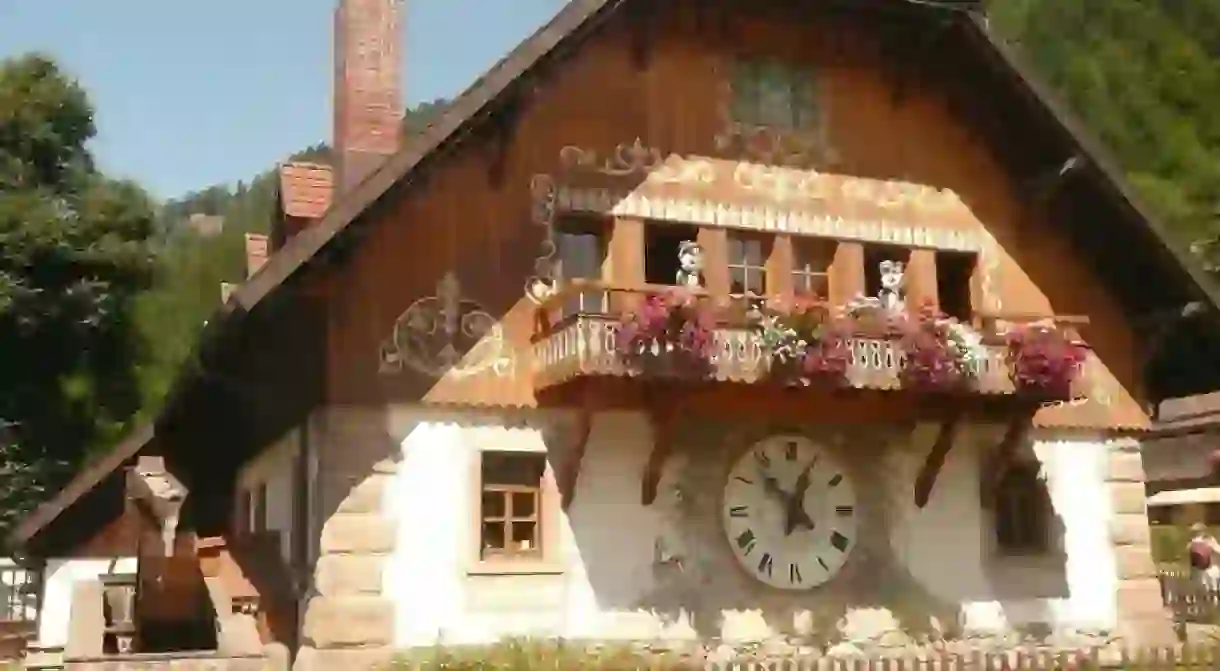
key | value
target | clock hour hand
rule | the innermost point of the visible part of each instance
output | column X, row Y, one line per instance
column 771, row 485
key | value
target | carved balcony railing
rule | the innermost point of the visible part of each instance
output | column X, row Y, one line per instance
column 578, row 328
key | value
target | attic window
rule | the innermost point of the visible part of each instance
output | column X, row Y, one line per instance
column 770, row 94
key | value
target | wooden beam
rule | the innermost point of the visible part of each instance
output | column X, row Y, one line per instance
column 571, row 468
column 661, row 411
column 936, row 459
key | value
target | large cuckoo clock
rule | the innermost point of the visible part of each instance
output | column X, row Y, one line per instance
column 790, row 512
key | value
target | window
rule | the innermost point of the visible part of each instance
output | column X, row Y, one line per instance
column 1022, row 512
column 661, row 243
column 811, row 260
column 20, row 588
column 873, row 256
column 953, row 273
column 748, row 264
column 510, row 504
column 766, row 93
column 581, row 248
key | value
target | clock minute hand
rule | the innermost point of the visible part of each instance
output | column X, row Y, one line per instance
column 796, row 503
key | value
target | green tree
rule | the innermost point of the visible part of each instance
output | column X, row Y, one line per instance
column 1143, row 75
column 73, row 257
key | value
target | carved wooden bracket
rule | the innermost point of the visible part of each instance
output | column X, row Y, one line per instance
column 661, row 414
column 571, row 467
column 1016, row 432
column 936, row 459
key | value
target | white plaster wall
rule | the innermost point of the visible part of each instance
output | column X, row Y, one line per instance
column 59, row 578
column 274, row 467
column 432, row 500
column 608, row 539
column 946, row 545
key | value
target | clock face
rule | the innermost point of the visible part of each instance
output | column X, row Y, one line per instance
column 790, row 513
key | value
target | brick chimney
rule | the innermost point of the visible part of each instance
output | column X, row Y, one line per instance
column 367, row 95
column 257, row 250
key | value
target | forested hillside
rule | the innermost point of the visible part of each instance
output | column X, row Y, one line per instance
column 1145, row 75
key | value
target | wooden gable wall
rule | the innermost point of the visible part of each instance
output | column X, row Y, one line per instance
column 470, row 212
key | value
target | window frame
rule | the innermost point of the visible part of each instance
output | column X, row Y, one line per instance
column 574, row 227
column 544, row 559
column 765, row 267
column 942, row 259
column 801, row 274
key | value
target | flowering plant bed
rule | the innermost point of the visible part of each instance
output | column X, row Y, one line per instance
column 939, row 354
column 670, row 329
column 1044, row 361
column 807, row 344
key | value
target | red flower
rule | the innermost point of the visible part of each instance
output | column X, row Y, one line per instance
column 1044, row 361
column 931, row 361
column 671, row 320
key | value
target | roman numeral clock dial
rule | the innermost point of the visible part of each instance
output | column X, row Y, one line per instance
column 789, row 512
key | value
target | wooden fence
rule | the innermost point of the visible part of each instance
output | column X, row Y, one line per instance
column 1178, row 658
column 1181, row 658
column 1190, row 600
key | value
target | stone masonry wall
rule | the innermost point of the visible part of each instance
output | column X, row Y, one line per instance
column 349, row 623
column 1143, row 618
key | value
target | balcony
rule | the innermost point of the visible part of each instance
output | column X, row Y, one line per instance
column 579, row 326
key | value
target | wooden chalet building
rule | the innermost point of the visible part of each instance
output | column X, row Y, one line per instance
column 462, row 399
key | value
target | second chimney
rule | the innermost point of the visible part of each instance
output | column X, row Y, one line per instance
column 367, row 94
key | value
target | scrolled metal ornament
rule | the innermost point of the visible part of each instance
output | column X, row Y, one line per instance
column 446, row 335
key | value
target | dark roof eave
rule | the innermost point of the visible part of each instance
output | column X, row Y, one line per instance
column 80, row 485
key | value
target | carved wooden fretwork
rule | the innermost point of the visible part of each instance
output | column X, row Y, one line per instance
column 778, row 219
column 661, row 415
column 935, row 460
column 446, row 335
column 542, row 284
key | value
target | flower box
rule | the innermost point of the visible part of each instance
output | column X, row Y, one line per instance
column 1044, row 362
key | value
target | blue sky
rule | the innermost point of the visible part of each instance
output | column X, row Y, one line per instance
column 189, row 94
